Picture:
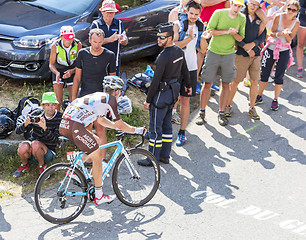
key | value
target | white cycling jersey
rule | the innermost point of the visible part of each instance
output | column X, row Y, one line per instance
column 87, row 109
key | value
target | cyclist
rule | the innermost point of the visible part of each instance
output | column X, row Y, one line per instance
column 78, row 118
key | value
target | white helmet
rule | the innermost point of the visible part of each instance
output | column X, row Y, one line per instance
column 124, row 105
column 112, row 83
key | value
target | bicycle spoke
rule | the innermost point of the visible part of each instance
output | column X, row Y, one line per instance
column 51, row 197
column 135, row 185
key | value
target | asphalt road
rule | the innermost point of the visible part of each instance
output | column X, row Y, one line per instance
column 243, row 181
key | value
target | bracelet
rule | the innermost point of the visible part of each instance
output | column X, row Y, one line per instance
column 276, row 34
column 249, row 51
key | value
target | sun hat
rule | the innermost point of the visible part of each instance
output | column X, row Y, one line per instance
column 49, row 97
column 108, row 6
column 238, row 2
column 67, row 32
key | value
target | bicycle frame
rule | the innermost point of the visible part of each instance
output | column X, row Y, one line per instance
column 79, row 162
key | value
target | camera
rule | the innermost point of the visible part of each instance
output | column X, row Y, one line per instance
column 34, row 119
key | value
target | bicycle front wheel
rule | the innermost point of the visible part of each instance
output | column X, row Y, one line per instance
column 60, row 194
column 135, row 185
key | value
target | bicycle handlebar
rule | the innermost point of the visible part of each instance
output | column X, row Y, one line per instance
column 120, row 136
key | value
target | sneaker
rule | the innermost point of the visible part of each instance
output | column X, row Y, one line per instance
column 214, row 87
column 228, row 111
column 222, row 119
column 253, row 114
column 181, row 139
column 145, row 163
column 258, row 100
column 274, row 106
column 42, row 168
column 201, row 119
column 21, row 170
column 247, row 82
column 105, row 199
column 176, row 118
column 299, row 73
column 198, row 89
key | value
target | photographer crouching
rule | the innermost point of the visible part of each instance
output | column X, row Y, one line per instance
column 40, row 128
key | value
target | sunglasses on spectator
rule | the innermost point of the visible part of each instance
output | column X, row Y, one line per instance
column 292, row 9
column 254, row 4
column 162, row 37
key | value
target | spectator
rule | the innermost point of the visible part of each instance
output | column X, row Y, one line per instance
column 278, row 48
column 175, row 12
column 225, row 26
column 248, row 58
column 113, row 29
column 41, row 135
column 188, row 35
column 301, row 38
column 92, row 65
column 62, row 62
column 163, row 93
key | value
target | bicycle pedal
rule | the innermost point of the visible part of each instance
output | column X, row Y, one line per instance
column 91, row 194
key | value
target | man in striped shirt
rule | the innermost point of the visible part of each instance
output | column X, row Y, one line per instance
column 41, row 129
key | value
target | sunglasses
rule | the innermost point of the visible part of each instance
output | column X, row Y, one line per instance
column 162, row 37
column 254, row 5
column 292, row 9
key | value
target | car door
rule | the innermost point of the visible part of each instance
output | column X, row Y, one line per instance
column 135, row 22
column 158, row 13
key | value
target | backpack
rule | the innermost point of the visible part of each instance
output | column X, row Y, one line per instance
column 25, row 106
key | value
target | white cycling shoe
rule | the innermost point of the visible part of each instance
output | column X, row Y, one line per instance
column 105, row 199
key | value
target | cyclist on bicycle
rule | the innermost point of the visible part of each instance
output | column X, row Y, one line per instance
column 79, row 116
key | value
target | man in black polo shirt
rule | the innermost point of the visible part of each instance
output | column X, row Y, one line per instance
column 113, row 29
column 248, row 58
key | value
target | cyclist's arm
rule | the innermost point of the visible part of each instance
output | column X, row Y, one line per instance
column 119, row 124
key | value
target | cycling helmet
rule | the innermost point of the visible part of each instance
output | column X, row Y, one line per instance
column 124, row 105
column 112, row 83
column 6, row 111
column 7, row 126
column 20, row 120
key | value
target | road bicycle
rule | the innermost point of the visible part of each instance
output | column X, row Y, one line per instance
column 62, row 190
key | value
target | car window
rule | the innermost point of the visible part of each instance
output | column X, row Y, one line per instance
column 71, row 7
column 129, row 4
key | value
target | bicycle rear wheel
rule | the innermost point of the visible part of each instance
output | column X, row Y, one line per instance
column 135, row 185
column 50, row 199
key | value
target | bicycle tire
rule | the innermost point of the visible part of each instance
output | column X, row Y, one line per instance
column 51, row 202
column 131, row 190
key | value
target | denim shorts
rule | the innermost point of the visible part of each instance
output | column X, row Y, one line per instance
column 49, row 156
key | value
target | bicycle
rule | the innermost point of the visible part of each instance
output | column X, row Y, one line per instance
column 62, row 190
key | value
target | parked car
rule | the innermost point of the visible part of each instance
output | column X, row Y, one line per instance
column 28, row 28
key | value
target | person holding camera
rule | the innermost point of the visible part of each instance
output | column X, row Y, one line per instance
column 41, row 130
